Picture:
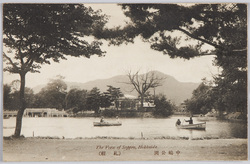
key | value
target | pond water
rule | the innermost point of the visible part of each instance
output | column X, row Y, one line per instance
column 131, row 127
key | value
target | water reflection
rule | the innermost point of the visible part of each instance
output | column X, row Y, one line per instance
column 131, row 127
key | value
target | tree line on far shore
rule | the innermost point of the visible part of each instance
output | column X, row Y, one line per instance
column 218, row 95
column 56, row 95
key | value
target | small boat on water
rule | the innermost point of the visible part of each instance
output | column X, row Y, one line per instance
column 107, row 123
column 199, row 126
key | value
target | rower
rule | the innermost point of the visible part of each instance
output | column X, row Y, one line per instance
column 190, row 121
column 178, row 122
column 102, row 119
column 117, row 119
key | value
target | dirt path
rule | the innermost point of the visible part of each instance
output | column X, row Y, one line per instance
column 35, row 149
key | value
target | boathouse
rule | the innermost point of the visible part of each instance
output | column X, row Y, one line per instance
column 44, row 112
column 37, row 112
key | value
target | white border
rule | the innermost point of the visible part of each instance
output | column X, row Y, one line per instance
column 113, row 1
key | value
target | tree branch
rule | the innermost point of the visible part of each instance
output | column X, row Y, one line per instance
column 16, row 68
column 240, row 50
column 9, row 59
column 20, row 52
column 143, row 82
column 197, row 38
column 134, row 81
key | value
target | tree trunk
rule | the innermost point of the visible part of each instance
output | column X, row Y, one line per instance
column 117, row 103
column 22, row 107
column 142, row 100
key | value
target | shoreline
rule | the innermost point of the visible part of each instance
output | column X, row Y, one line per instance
column 121, row 149
column 125, row 138
column 146, row 115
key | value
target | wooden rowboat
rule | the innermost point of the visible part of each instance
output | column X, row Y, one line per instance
column 199, row 126
column 107, row 124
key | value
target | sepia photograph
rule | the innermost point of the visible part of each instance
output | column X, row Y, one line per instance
column 124, row 82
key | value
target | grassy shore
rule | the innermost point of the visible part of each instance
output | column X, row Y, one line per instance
column 99, row 149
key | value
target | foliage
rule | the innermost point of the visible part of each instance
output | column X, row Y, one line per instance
column 6, row 96
column 163, row 107
column 33, row 34
column 231, row 85
column 76, row 99
column 53, row 95
column 29, row 97
column 93, row 100
column 142, row 83
column 11, row 99
column 109, row 113
column 148, row 97
column 128, row 104
column 202, row 100
column 203, row 29
column 114, row 93
column 36, row 33
column 227, row 93
column 105, row 100
column 207, row 24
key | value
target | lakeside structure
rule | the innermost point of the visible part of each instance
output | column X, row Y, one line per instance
column 181, row 110
column 37, row 112
column 130, row 102
column 9, row 113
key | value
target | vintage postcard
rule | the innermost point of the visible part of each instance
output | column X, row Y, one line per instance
column 124, row 82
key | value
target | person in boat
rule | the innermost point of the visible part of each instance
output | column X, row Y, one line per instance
column 178, row 122
column 190, row 121
column 102, row 119
column 117, row 119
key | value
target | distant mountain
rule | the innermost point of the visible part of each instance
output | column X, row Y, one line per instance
column 173, row 89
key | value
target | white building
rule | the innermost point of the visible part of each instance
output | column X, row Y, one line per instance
column 44, row 112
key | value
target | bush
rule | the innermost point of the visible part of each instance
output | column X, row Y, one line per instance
column 163, row 107
column 109, row 113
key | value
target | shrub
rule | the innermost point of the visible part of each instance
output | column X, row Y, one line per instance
column 163, row 107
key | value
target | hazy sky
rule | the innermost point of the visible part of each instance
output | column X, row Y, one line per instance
column 119, row 59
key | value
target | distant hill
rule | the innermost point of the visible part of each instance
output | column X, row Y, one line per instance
column 173, row 89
